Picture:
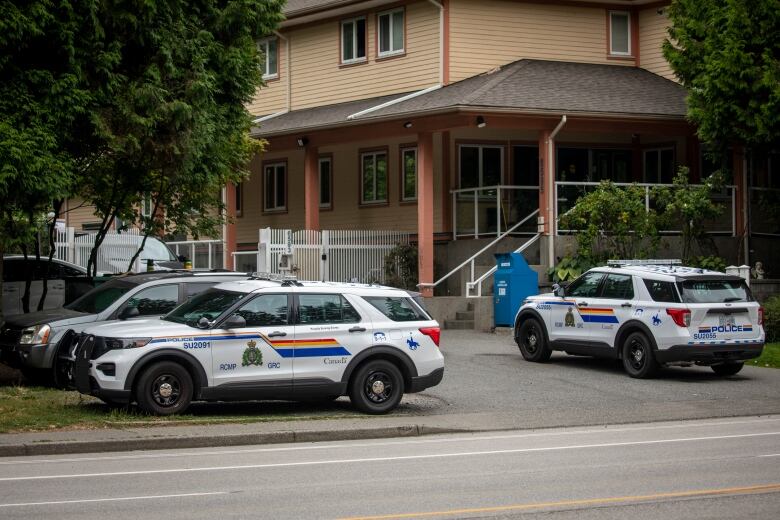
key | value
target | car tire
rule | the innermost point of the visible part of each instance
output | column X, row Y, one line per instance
column 727, row 369
column 164, row 388
column 532, row 342
column 638, row 358
column 376, row 387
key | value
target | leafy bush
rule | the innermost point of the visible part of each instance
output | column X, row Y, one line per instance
column 401, row 267
column 569, row 268
column 613, row 222
column 772, row 319
column 713, row 263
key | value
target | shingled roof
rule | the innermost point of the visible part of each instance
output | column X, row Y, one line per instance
column 524, row 86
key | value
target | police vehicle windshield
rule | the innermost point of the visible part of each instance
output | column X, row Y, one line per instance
column 208, row 304
column 714, row 291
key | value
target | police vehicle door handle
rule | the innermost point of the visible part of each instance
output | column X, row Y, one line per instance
column 277, row 334
column 582, row 304
column 625, row 304
column 357, row 329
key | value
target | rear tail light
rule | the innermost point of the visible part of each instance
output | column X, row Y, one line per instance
column 760, row 315
column 682, row 317
column 433, row 333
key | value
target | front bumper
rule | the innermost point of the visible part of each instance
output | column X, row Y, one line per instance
column 82, row 374
column 710, row 354
column 420, row 383
column 20, row 356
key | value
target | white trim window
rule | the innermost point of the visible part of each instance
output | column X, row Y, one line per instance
column 326, row 173
column 353, row 40
column 390, row 32
column 373, row 175
column 146, row 207
column 269, row 51
column 620, row 33
column 408, row 174
column 275, row 187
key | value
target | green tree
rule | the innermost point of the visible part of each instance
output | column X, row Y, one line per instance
column 727, row 54
column 687, row 207
column 612, row 222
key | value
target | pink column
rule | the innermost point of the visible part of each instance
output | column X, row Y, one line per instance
column 311, row 187
column 425, row 211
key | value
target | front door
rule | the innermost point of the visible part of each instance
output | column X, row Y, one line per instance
column 258, row 353
column 328, row 333
column 572, row 316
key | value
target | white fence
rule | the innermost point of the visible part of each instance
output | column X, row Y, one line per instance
column 204, row 254
column 114, row 254
column 328, row 255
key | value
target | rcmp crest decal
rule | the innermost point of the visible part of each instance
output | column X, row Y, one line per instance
column 252, row 355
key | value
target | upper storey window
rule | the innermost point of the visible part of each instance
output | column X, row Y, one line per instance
column 619, row 33
column 353, row 40
column 390, row 32
column 269, row 48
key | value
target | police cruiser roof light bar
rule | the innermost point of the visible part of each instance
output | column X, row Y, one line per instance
column 621, row 263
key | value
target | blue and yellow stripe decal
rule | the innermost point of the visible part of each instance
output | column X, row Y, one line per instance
column 290, row 348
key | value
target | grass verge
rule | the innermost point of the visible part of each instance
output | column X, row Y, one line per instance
column 770, row 357
column 28, row 409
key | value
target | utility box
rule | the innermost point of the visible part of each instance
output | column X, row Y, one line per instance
column 514, row 281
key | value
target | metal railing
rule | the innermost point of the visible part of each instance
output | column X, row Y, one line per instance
column 472, row 259
column 204, row 254
column 568, row 192
column 490, row 210
column 245, row 261
column 478, row 282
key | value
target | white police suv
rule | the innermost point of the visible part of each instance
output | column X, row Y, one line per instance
column 647, row 314
column 267, row 339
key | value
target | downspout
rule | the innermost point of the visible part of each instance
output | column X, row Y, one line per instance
column 551, row 192
column 441, row 39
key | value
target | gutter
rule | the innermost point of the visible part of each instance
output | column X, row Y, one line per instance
column 550, row 192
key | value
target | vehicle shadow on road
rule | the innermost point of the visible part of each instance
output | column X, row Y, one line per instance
column 693, row 374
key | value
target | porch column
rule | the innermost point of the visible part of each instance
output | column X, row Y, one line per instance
column 229, row 238
column 425, row 211
column 546, row 196
column 311, row 188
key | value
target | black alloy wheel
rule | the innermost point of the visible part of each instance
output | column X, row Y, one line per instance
column 376, row 387
column 638, row 358
column 532, row 342
column 164, row 389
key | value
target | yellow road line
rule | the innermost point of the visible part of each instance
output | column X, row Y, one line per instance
column 583, row 502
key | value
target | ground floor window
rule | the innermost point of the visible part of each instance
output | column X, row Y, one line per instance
column 766, row 170
column 659, row 165
column 408, row 174
column 525, row 166
column 594, row 164
column 480, row 165
column 275, row 187
column 326, row 179
column 373, row 172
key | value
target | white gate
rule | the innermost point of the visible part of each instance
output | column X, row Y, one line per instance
column 329, row 255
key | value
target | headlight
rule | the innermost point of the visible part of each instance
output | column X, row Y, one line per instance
column 119, row 343
column 35, row 335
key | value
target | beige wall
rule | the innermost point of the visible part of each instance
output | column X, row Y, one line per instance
column 489, row 33
column 347, row 213
column 77, row 214
column 319, row 80
column 652, row 33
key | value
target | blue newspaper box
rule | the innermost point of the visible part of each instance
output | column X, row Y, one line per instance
column 514, row 281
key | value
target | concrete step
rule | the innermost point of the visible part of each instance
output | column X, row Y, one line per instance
column 464, row 315
column 459, row 324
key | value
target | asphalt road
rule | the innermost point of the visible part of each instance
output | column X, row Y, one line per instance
column 723, row 468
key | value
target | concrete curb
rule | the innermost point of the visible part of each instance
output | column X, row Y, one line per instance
column 209, row 441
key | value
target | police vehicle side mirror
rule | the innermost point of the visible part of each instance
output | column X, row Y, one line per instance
column 558, row 290
column 236, row 321
column 203, row 323
column 129, row 312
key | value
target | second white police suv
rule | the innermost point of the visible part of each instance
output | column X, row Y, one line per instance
column 267, row 339
column 647, row 315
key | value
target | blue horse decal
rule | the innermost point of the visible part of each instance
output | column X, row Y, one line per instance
column 412, row 343
column 656, row 320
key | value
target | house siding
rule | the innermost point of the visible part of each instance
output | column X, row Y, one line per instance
column 652, row 33
column 77, row 214
column 347, row 213
column 319, row 79
column 272, row 97
column 486, row 34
